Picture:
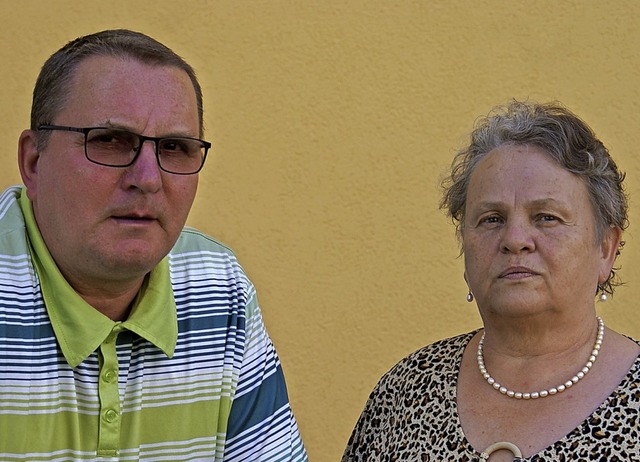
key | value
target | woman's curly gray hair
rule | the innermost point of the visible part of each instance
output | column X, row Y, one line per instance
column 566, row 138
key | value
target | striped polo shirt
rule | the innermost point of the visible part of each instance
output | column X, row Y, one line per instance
column 190, row 375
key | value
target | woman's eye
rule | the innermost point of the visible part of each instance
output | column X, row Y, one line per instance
column 492, row 219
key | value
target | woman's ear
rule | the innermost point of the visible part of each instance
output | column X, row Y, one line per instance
column 28, row 157
column 608, row 251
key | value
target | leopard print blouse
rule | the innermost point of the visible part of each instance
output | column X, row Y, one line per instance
column 411, row 415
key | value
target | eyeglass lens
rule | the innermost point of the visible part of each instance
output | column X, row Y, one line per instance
column 119, row 148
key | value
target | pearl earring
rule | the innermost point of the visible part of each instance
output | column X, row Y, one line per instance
column 603, row 295
column 469, row 297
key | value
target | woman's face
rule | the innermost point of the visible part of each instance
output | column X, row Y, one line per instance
column 529, row 238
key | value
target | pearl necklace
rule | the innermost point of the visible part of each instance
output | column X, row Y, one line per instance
column 551, row 391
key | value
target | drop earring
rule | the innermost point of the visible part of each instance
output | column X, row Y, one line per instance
column 469, row 294
column 603, row 294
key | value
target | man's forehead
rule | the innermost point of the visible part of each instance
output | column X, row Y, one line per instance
column 132, row 94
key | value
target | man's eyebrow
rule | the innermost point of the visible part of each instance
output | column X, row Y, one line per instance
column 118, row 126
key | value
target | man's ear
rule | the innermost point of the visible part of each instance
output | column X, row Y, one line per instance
column 28, row 157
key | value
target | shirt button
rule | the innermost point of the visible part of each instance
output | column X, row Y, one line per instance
column 110, row 415
column 109, row 376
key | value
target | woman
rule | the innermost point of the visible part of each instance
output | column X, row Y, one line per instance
column 539, row 208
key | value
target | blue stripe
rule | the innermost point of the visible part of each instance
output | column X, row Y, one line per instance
column 259, row 405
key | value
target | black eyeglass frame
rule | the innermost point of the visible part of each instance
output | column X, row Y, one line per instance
column 142, row 138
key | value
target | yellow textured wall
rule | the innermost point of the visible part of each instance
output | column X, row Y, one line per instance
column 331, row 122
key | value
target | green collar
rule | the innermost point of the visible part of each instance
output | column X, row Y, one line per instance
column 80, row 329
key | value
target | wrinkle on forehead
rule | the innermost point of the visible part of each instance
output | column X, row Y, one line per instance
column 159, row 99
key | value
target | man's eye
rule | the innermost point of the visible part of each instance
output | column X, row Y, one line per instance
column 175, row 146
column 110, row 138
column 102, row 139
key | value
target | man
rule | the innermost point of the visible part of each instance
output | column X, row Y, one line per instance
column 123, row 335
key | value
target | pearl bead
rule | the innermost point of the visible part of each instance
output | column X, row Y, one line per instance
column 551, row 391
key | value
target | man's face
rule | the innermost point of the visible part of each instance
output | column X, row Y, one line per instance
column 106, row 225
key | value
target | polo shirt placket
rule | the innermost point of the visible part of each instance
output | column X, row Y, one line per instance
column 109, row 426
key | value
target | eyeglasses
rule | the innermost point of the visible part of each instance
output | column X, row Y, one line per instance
column 114, row 147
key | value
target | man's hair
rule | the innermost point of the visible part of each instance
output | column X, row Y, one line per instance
column 567, row 139
column 53, row 85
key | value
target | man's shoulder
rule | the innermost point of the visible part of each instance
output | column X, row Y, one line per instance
column 195, row 250
column 10, row 212
column 13, row 240
column 199, row 260
column 193, row 240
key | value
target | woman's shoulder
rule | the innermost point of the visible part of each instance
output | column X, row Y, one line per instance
column 441, row 349
column 441, row 357
column 634, row 372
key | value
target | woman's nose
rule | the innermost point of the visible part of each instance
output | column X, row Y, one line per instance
column 517, row 237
